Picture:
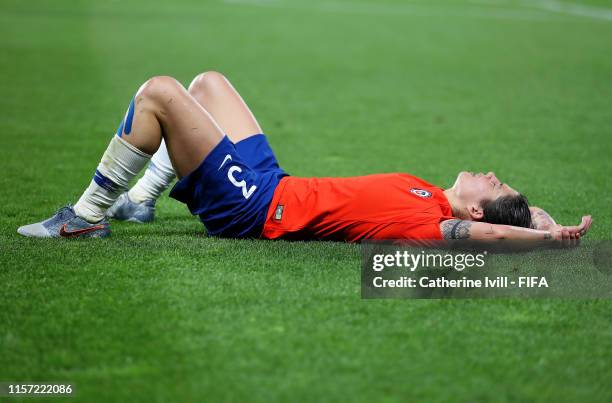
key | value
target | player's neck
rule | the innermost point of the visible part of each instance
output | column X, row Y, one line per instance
column 456, row 204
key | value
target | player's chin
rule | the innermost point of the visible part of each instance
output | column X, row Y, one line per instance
column 461, row 176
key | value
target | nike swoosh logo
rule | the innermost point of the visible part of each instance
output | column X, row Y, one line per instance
column 68, row 234
column 227, row 157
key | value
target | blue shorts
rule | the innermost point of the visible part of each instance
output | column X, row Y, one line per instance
column 233, row 187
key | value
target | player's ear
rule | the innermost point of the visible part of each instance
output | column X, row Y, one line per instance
column 476, row 212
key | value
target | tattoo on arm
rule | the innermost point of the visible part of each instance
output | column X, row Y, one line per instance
column 456, row 229
column 542, row 220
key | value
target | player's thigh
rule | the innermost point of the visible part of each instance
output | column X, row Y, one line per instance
column 217, row 95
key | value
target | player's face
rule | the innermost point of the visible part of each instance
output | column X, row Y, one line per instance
column 478, row 187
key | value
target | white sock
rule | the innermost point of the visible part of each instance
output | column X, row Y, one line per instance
column 156, row 178
column 120, row 163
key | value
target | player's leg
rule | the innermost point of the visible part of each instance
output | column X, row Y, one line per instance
column 217, row 95
column 161, row 107
column 138, row 204
column 236, row 184
column 189, row 130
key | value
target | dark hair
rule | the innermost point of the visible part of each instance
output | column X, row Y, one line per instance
column 508, row 210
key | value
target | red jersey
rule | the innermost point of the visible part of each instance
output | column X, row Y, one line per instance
column 385, row 206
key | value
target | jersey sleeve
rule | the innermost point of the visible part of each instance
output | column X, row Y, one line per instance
column 430, row 231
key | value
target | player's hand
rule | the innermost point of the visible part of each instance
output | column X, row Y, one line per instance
column 582, row 229
column 569, row 236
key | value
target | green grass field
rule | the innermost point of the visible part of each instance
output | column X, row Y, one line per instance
column 163, row 313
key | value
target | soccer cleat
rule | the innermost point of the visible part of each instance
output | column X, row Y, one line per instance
column 125, row 209
column 66, row 224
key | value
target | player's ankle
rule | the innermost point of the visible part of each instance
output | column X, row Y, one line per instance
column 89, row 215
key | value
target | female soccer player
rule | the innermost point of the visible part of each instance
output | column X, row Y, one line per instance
column 229, row 177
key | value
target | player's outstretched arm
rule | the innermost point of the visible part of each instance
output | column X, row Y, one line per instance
column 557, row 235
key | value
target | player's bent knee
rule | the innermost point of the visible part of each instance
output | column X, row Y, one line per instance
column 159, row 87
column 207, row 83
